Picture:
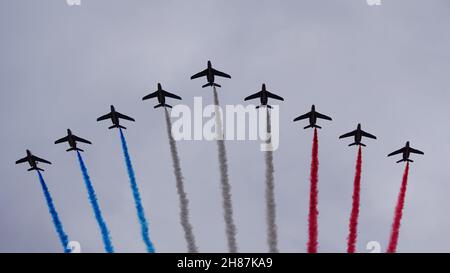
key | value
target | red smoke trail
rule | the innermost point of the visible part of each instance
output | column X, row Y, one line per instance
column 312, row 221
column 392, row 248
column 353, row 226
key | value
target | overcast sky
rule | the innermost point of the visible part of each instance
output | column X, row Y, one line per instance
column 384, row 66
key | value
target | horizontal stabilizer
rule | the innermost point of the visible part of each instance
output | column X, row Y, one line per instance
column 354, row 143
column 35, row 169
column 268, row 106
column 404, row 160
column 211, row 84
column 74, row 149
column 313, row 126
column 117, row 126
column 162, row 105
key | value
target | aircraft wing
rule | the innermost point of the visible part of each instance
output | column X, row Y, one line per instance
column 273, row 96
column 302, row 116
column 79, row 139
column 170, row 95
column 368, row 135
column 322, row 116
column 221, row 74
column 200, row 74
column 399, row 151
column 150, row 96
column 41, row 160
column 107, row 116
column 22, row 160
column 64, row 139
column 352, row 133
column 122, row 116
column 254, row 96
column 412, row 150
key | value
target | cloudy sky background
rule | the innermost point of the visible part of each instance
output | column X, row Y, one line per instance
column 386, row 67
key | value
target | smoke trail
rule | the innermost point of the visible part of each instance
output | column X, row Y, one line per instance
column 136, row 196
column 392, row 248
column 51, row 208
column 226, row 187
column 93, row 199
column 184, row 202
column 353, row 226
column 270, row 195
column 313, row 199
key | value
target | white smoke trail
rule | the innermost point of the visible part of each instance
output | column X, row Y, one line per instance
column 225, row 184
column 184, row 202
column 272, row 239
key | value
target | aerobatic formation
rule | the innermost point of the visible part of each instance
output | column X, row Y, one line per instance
column 230, row 228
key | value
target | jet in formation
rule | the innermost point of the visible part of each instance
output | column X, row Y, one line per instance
column 210, row 73
column 312, row 115
column 33, row 161
column 406, row 152
column 358, row 134
column 161, row 94
column 72, row 140
column 264, row 96
column 115, row 118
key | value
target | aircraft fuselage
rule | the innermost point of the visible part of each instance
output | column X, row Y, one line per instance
column 161, row 97
column 358, row 136
column 406, row 152
column 72, row 142
column 210, row 73
column 264, row 98
column 31, row 161
column 114, row 118
column 312, row 118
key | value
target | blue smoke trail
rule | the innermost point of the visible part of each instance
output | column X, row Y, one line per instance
column 93, row 199
column 51, row 208
column 136, row 196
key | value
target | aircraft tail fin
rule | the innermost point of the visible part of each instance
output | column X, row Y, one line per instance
column 313, row 126
column 35, row 169
column 74, row 149
column 211, row 84
column 162, row 105
column 118, row 126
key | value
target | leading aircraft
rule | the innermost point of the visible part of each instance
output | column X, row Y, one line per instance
column 115, row 118
column 161, row 94
column 358, row 134
column 210, row 72
column 72, row 140
column 313, row 115
column 264, row 96
column 406, row 152
column 33, row 161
